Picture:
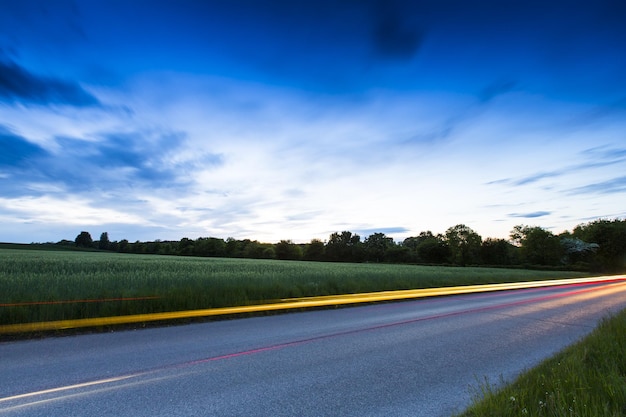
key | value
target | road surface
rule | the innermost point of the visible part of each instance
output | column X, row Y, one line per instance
column 419, row 358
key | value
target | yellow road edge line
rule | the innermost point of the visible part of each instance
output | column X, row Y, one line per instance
column 294, row 303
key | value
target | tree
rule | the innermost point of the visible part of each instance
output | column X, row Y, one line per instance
column 232, row 248
column 344, row 246
column 209, row 246
column 428, row 248
column 376, row 245
column 83, row 240
column 464, row 244
column 398, row 254
column 610, row 236
column 314, row 251
column 185, row 246
column 497, row 252
column 578, row 252
column 254, row 249
column 538, row 246
column 151, row 247
column 123, row 246
column 287, row 250
column 104, row 242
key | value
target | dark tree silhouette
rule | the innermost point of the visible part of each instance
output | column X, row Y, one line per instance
column 104, row 242
column 84, row 240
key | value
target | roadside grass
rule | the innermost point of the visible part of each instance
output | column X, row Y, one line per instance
column 587, row 379
column 48, row 285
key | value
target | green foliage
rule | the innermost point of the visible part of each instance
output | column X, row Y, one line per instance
column 287, row 250
column 84, row 240
column 104, row 243
column 610, row 236
column 498, row 252
column 598, row 246
column 464, row 244
column 538, row 246
column 344, row 246
column 578, row 252
column 428, row 248
column 314, row 251
column 209, row 246
column 376, row 245
column 398, row 254
column 587, row 379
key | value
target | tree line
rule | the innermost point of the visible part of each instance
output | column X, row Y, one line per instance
column 598, row 246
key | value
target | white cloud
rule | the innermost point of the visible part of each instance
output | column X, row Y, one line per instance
column 48, row 210
column 252, row 161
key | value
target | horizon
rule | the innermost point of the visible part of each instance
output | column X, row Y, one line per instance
column 362, row 237
column 282, row 120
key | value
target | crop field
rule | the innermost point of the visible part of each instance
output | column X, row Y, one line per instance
column 48, row 285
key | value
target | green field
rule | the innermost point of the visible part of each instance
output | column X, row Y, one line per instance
column 48, row 285
column 587, row 379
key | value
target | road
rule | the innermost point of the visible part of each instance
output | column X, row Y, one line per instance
column 419, row 358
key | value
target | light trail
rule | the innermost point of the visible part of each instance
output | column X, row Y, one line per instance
column 67, row 388
column 94, row 300
column 298, row 303
column 56, row 394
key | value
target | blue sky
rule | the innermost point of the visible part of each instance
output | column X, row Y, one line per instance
column 296, row 119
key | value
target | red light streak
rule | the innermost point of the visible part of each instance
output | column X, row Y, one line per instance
column 103, row 300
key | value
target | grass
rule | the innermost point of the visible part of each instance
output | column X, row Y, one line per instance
column 587, row 379
column 49, row 285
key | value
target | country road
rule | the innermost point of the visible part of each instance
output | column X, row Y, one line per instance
column 418, row 358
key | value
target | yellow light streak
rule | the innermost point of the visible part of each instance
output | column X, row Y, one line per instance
column 295, row 303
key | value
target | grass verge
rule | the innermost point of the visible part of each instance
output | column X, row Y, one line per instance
column 587, row 379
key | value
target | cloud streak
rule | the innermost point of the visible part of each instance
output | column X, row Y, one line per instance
column 15, row 150
column 531, row 215
column 613, row 186
column 389, row 231
column 597, row 157
column 103, row 162
column 18, row 85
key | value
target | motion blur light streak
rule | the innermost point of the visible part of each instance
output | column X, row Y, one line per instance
column 103, row 300
column 67, row 388
column 297, row 304
column 168, row 368
column 77, row 390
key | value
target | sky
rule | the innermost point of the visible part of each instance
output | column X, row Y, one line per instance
column 271, row 120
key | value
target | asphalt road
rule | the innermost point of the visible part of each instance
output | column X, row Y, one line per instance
column 417, row 358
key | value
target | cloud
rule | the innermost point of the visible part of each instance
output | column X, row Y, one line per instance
column 612, row 186
column 119, row 158
column 463, row 116
column 385, row 230
column 531, row 215
column 597, row 157
column 109, row 161
column 17, row 84
column 67, row 210
column 606, row 153
column 435, row 135
column 538, row 177
column 16, row 150
column 599, row 113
